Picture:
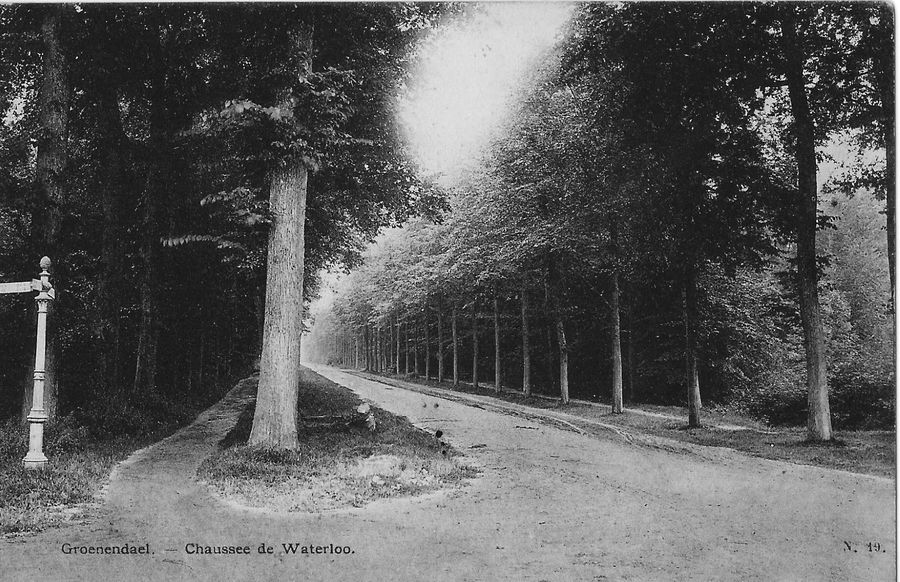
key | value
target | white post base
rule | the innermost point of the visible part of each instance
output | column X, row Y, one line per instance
column 35, row 461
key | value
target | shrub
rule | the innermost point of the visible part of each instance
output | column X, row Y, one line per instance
column 862, row 396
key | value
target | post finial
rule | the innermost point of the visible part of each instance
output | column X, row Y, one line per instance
column 45, row 263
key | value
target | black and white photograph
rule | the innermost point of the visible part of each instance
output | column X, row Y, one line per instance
column 448, row 291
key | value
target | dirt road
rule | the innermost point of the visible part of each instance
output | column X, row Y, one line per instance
column 550, row 505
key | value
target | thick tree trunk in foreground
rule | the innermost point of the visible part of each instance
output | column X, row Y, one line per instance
column 526, row 356
column 819, row 419
column 474, row 343
column 692, row 378
column 275, row 419
column 259, row 307
column 453, row 320
column 50, row 178
column 440, row 340
column 616, row 340
column 497, row 386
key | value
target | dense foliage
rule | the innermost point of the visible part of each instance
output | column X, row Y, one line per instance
column 653, row 174
column 168, row 123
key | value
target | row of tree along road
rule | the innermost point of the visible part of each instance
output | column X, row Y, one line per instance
column 653, row 224
column 651, row 210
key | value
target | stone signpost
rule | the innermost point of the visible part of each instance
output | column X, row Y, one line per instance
column 37, row 416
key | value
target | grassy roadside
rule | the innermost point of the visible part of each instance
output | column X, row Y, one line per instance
column 80, row 462
column 336, row 466
column 867, row 452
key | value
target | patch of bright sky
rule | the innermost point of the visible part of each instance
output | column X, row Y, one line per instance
column 469, row 73
column 15, row 112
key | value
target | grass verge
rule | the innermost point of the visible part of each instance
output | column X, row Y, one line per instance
column 80, row 461
column 335, row 466
column 867, row 452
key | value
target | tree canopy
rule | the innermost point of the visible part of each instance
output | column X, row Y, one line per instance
column 655, row 192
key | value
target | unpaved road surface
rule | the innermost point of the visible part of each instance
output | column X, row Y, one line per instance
column 551, row 504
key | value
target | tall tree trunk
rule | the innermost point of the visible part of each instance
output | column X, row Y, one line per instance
column 275, row 420
column 366, row 341
column 819, row 419
column 563, row 359
column 440, row 339
column 692, row 378
column 397, row 354
column 630, row 355
column 390, row 348
column 526, row 355
column 50, row 178
column 453, row 321
column 371, row 347
column 497, row 385
column 474, row 342
column 148, row 334
column 884, row 79
column 110, row 286
column 52, row 152
column 550, row 288
column 378, row 349
column 549, row 331
column 415, row 348
column 616, row 342
column 406, row 353
column 159, row 184
column 427, row 348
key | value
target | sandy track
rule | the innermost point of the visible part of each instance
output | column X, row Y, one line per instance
column 550, row 505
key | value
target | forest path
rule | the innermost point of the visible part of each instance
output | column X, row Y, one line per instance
column 550, row 504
